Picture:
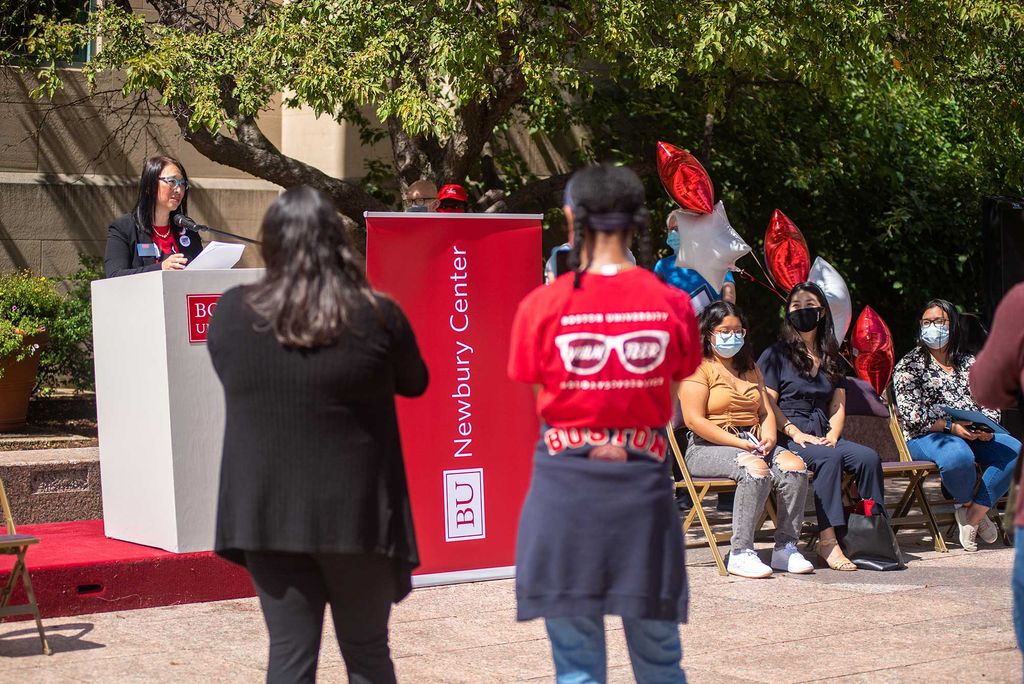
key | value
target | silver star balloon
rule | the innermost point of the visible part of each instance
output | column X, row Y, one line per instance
column 709, row 245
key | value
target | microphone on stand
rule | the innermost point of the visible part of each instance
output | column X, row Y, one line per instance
column 184, row 223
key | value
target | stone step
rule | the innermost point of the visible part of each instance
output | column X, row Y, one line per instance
column 52, row 485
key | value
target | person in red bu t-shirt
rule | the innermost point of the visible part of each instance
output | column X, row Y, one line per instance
column 599, row 534
column 605, row 354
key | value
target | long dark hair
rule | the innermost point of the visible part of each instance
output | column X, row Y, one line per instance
column 825, row 342
column 314, row 280
column 957, row 338
column 146, row 203
column 710, row 318
column 603, row 194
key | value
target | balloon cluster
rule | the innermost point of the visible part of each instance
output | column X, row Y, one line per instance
column 709, row 245
column 707, row 242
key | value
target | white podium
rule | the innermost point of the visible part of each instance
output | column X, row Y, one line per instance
column 159, row 405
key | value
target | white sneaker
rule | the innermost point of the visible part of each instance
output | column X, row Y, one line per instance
column 968, row 533
column 987, row 530
column 746, row 564
column 789, row 559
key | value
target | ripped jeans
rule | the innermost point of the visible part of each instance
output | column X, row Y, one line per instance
column 755, row 477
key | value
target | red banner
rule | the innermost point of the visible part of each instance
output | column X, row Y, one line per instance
column 469, row 440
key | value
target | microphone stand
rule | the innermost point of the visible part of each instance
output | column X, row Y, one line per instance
column 200, row 228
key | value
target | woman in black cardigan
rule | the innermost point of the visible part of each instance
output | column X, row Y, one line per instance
column 313, row 496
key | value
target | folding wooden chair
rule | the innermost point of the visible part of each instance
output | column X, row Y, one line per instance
column 698, row 488
column 862, row 402
column 16, row 544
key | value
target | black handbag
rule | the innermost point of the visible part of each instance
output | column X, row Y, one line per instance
column 869, row 540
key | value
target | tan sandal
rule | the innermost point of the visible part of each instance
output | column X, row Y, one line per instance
column 835, row 558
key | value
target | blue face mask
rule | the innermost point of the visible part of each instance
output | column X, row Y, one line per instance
column 935, row 336
column 673, row 240
column 728, row 344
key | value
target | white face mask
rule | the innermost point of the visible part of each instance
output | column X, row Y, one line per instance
column 727, row 344
column 935, row 336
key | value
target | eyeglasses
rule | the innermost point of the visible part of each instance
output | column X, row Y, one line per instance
column 175, row 182
column 639, row 352
column 937, row 322
column 721, row 331
column 419, row 201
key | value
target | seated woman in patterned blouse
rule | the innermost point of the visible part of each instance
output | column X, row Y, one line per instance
column 935, row 374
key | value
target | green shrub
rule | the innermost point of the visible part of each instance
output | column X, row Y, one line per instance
column 36, row 318
column 28, row 306
column 68, row 359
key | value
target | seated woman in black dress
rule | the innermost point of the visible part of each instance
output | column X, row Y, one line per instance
column 146, row 239
column 802, row 375
column 313, row 496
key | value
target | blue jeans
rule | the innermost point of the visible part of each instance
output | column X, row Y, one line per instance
column 578, row 649
column 1018, row 587
column 956, row 458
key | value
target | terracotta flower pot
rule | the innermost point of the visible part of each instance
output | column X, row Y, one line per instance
column 16, row 385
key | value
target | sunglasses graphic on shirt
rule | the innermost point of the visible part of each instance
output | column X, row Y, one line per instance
column 640, row 351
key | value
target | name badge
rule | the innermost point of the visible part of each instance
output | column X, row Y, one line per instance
column 147, row 249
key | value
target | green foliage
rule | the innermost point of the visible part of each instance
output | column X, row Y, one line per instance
column 28, row 305
column 36, row 319
column 421, row 64
column 875, row 124
column 68, row 359
column 884, row 181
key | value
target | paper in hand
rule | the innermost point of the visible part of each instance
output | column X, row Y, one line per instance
column 217, row 256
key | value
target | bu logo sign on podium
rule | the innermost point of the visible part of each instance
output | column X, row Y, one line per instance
column 200, row 310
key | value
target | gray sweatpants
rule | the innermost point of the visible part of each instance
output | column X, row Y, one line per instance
column 704, row 459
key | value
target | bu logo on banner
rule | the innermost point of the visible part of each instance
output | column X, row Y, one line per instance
column 464, row 504
column 200, row 309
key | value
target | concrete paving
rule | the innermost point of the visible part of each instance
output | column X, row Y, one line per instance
column 947, row 618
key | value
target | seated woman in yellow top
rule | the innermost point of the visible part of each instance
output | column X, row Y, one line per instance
column 732, row 435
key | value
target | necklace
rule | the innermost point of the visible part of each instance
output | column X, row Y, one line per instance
column 162, row 236
column 613, row 269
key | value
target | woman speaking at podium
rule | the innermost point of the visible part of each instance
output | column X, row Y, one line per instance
column 146, row 239
column 313, row 497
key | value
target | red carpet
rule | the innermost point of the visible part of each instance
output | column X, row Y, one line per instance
column 76, row 570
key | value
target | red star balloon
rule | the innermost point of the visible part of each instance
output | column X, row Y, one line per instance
column 785, row 252
column 685, row 179
column 872, row 343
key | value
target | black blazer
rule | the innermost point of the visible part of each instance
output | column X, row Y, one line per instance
column 122, row 255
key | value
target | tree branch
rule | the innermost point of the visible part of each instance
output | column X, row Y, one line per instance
column 265, row 161
column 537, row 193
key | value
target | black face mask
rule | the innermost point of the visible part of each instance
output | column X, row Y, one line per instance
column 804, row 320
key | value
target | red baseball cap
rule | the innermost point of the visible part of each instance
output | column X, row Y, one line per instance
column 453, row 192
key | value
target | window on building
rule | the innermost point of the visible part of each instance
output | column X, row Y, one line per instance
column 16, row 21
